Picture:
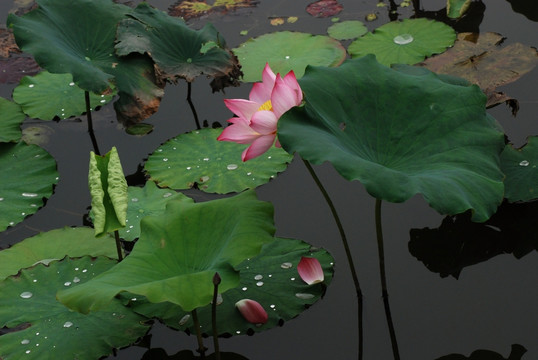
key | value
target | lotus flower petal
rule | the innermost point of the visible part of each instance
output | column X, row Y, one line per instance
column 252, row 311
column 241, row 107
column 261, row 92
column 240, row 132
column 310, row 270
column 283, row 97
column 264, row 122
column 258, row 147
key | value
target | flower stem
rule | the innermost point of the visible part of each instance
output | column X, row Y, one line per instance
column 193, row 109
column 385, row 294
column 346, row 247
column 201, row 347
column 216, row 282
column 118, row 245
column 90, row 123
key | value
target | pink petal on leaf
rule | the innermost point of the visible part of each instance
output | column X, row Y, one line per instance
column 239, row 132
column 252, row 311
column 264, row 122
column 241, row 107
column 310, row 270
column 258, row 147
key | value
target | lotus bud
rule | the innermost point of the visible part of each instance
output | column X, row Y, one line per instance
column 252, row 311
column 310, row 270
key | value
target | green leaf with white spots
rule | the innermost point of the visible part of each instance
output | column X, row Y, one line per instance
column 108, row 188
column 404, row 42
column 149, row 200
column 179, row 251
column 32, row 175
column 214, row 166
column 12, row 118
column 521, row 170
column 285, row 51
column 345, row 30
column 54, row 245
column 456, row 8
column 270, row 278
column 49, row 330
column 46, row 96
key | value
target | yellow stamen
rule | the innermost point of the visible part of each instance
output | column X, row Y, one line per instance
column 266, row 106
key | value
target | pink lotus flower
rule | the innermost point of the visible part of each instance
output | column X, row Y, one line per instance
column 257, row 118
column 252, row 311
column 310, row 270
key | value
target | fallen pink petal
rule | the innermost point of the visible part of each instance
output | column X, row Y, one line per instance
column 310, row 270
column 252, row 311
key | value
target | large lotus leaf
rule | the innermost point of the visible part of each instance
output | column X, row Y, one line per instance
column 179, row 252
column 47, row 96
column 215, row 166
column 85, row 49
column 404, row 42
column 480, row 59
column 270, row 278
column 108, row 188
column 46, row 329
column 12, row 117
column 178, row 51
column 149, row 200
column 519, row 166
column 456, row 8
column 285, row 51
column 54, row 245
column 29, row 174
column 400, row 133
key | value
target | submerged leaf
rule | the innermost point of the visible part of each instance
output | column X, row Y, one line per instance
column 198, row 8
column 324, row 8
column 400, row 133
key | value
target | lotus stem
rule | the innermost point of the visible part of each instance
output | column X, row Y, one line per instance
column 193, row 109
column 118, row 245
column 90, row 123
column 216, row 282
column 348, row 252
column 385, row 294
column 201, row 347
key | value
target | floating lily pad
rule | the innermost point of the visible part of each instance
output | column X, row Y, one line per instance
column 270, row 278
column 49, row 330
column 520, row 168
column 400, row 133
column 54, row 245
column 32, row 175
column 214, row 166
column 404, row 42
column 47, row 96
column 178, row 51
column 179, row 252
column 456, row 8
column 12, row 118
column 149, row 200
column 285, row 51
column 480, row 59
column 61, row 45
column 108, row 188
column 347, row 30
column 195, row 9
column 324, row 8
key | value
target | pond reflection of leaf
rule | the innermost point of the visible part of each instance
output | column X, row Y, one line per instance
column 160, row 354
column 515, row 354
column 459, row 243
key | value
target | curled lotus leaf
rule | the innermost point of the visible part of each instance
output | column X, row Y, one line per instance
column 400, row 133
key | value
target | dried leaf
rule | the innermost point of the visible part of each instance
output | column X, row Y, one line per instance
column 324, row 8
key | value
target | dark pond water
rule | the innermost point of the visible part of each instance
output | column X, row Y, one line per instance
column 491, row 305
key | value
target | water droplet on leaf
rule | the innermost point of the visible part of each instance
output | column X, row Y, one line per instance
column 304, row 296
column 403, row 39
column 286, row 265
column 231, row 167
column 26, row 295
column 524, row 163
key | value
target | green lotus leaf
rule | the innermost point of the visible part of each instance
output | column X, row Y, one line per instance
column 285, row 51
column 32, row 175
column 400, row 133
column 12, row 118
column 178, row 51
column 215, row 166
column 85, row 49
column 179, row 252
column 149, row 200
column 456, row 8
column 519, row 166
column 54, row 245
column 347, row 30
column 46, row 96
column 108, row 188
column 46, row 329
column 270, row 278
column 404, row 42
